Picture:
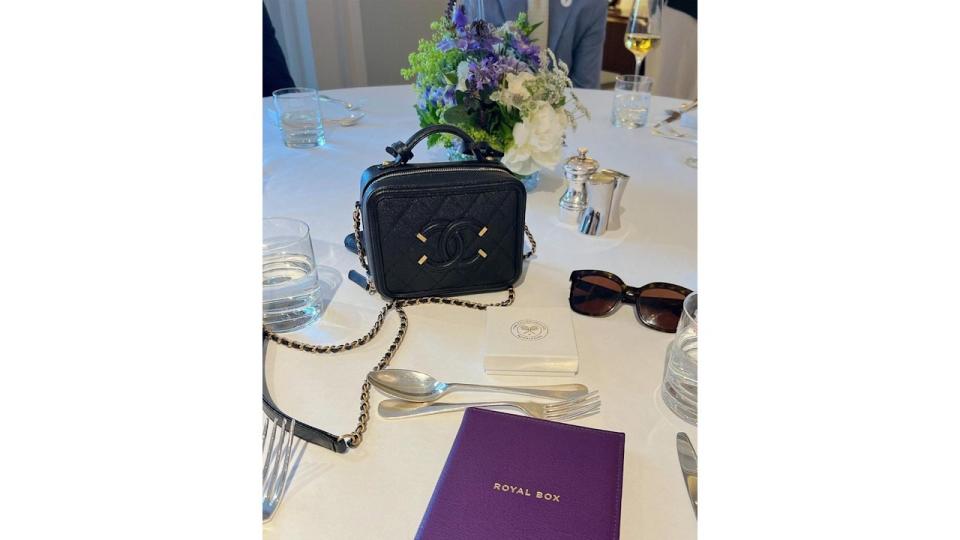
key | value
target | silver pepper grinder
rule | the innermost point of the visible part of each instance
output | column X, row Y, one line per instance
column 577, row 171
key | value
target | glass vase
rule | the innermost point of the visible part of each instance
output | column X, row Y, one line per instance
column 530, row 181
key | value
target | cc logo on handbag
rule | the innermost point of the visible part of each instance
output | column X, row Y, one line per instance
column 449, row 241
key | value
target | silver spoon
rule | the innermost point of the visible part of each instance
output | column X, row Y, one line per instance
column 346, row 104
column 415, row 386
column 351, row 119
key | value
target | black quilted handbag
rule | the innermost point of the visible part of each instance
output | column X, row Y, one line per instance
column 440, row 229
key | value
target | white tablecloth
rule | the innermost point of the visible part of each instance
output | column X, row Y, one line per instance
column 381, row 489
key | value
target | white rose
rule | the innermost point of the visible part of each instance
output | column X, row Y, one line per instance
column 515, row 89
column 463, row 69
column 537, row 141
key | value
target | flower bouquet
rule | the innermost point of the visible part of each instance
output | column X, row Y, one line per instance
column 498, row 86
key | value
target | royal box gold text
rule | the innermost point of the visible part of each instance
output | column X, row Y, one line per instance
column 518, row 490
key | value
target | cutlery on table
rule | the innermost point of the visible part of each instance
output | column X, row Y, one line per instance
column 276, row 463
column 346, row 104
column 559, row 411
column 415, row 386
column 688, row 465
column 672, row 116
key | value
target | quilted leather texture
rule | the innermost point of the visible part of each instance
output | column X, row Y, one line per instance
column 470, row 237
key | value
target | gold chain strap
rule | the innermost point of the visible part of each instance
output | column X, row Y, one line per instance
column 354, row 438
column 533, row 243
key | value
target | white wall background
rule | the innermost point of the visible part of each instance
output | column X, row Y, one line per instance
column 345, row 43
column 391, row 31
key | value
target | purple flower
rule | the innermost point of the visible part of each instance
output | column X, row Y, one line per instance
column 460, row 18
column 484, row 74
column 472, row 37
column 509, row 64
column 526, row 50
column 446, row 44
column 481, row 36
column 487, row 73
column 438, row 95
column 449, row 96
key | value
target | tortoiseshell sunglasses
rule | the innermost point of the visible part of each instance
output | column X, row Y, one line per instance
column 597, row 293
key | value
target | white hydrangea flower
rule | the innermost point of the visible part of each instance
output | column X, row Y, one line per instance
column 537, row 140
column 515, row 89
column 463, row 69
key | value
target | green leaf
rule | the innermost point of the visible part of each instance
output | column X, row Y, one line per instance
column 456, row 115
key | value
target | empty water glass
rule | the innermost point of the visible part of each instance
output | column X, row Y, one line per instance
column 631, row 101
column 300, row 118
column 679, row 389
column 294, row 295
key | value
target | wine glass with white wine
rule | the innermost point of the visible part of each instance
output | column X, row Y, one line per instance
column 643, row 29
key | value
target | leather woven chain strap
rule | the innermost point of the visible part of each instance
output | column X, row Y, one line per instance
column 354, row 438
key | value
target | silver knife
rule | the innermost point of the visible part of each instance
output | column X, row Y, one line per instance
column 688, row 465
column 675, row 114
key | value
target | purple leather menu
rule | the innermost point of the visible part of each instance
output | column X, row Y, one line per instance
column 515, row 477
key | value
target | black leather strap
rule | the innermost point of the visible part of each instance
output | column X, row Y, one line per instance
column 403, row 151
column 306, row 432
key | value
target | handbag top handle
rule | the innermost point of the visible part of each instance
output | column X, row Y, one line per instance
column 403, row 151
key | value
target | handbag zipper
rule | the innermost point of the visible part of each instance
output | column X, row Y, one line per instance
column 442, row 169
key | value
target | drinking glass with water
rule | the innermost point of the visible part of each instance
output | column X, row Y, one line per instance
column 631, row 101
column 300, row 118
column 680, row 370
column 294, row 295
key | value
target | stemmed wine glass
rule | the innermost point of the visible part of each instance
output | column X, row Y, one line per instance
column 643, row 29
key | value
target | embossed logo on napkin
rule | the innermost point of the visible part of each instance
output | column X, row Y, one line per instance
column 529, row 330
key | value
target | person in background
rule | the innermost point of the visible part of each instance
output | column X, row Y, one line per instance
column 275, row 72
column 575, row 31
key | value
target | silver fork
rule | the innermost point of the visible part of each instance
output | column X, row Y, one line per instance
column 276, row 463
column 559, row 411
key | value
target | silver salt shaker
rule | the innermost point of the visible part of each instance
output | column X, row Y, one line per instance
column 577, row 171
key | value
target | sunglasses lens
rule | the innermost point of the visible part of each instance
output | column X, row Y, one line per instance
column 660, row 308
column 594, row 295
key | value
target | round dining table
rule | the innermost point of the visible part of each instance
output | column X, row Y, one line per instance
column 380, row 489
